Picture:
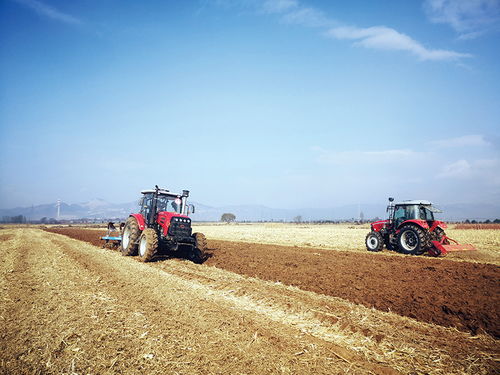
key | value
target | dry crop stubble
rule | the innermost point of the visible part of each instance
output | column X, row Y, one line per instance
column 178, row 316
column 422, row 288
column 156, row 323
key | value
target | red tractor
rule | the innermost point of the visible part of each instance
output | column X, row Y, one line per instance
column 162, row 225
column 412, row 229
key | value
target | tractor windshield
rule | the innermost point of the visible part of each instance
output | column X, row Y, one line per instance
column 412, row 212
column 169, row 204
column 426, row 214
column 164, row 203
column 403, row 213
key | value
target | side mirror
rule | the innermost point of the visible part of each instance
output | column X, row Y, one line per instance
column 191, row 209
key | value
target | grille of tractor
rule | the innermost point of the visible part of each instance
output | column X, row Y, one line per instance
column 179, row 229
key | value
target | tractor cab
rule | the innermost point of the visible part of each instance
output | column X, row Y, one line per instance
column 163, row 203
column 412, row 210
column 154, row 202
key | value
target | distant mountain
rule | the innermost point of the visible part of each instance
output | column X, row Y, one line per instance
column 95, row 209
column 100, row 209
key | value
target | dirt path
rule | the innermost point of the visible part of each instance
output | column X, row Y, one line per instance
column 456, row 294
column 69, row 307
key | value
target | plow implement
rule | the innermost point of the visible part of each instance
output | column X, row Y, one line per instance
column 443, row 247
column 114, row 240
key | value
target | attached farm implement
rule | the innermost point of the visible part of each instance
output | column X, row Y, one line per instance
column 162, row 225
column 412, row 229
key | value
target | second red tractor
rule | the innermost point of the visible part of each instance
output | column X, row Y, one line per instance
column 412, row 229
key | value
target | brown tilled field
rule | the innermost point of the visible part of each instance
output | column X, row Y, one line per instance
column 73, row 307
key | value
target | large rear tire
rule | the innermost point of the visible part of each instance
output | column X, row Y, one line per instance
column 148, row 245
column 374, row 241
column 130, row 236
column 411, row 240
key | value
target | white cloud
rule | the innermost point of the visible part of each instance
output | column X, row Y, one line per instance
column 377, row 37
column 279, row 6
column 460, row 169
column 385, row 38
column 474, row 140
column 49, row 12
column 482, row 170
column 470, row 18
column 293, row 12
column 309, row 17
column 365, row 157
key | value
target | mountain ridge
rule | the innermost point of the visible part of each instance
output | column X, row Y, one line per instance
column 100, row 209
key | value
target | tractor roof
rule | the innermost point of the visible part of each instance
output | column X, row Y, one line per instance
column 413, row 202
column 162, row 192
column 421, row 203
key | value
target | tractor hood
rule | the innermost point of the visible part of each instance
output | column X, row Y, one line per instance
column 166, row 219
column 378, row 225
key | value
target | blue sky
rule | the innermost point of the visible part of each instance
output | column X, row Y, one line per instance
column 285, row 103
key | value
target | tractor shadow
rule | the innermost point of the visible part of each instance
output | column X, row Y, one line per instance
column 207, row 254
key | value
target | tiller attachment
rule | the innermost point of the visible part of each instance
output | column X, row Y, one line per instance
column 443, row 247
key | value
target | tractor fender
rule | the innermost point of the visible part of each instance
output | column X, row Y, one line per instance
column 438, row 224
column 140, row 220
column 421, row 223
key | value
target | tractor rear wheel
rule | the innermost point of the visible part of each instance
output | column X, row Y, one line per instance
column 130, row 236
column 411, row 240
column 374, row 241
column 148, row 244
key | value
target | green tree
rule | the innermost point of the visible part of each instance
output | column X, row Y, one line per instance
column 228, row 217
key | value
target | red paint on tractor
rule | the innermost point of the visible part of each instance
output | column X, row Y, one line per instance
column 438, row 224
column 378, row 225
column 140, row 220
column 164, row 219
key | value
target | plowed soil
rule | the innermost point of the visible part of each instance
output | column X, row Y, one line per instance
column 451, row 294
column 68, row 307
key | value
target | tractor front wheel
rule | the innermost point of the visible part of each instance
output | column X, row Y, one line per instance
column 197, row 253
column 411, row 240
column 148, row 244
column 130, row 236
column 374, row 241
